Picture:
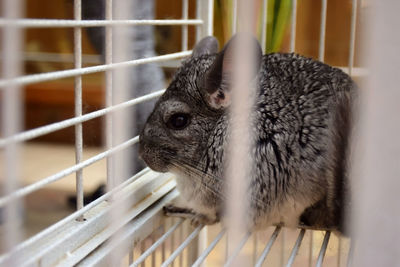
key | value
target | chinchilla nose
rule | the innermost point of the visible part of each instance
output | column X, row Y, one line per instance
column 146, row 133
column 142, row 140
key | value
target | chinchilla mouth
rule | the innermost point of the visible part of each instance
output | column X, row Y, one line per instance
column 156, row 157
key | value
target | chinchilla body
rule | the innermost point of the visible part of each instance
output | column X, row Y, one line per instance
column 300, row 126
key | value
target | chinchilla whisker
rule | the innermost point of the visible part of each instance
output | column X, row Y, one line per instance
column 190, row 168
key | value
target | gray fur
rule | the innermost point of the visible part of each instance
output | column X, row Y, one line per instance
column 301, row 122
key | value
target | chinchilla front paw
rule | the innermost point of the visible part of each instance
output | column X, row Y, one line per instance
column 195, row 218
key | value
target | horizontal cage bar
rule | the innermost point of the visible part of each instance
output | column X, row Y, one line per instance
column 34, row 133
column 59, row 175
column 61, row 23
column 36, row 78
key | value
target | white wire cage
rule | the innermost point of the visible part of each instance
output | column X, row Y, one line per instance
column 138, row 233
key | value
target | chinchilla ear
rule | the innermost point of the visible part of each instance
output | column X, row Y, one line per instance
column 208, row 45
column 217, row 81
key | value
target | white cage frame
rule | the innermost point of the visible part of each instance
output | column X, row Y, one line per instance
column 72, row 241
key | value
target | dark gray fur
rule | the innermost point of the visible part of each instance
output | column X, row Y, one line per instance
column 301, row 123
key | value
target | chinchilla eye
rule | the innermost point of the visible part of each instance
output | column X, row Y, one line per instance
column 178, row 121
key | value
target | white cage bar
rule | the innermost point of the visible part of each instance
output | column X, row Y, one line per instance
column 11, row 104
column 74, row 241
column 78, row 104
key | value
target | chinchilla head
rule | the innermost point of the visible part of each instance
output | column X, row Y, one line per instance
column 184, row 117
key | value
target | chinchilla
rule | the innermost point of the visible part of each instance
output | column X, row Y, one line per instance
column 301, row 122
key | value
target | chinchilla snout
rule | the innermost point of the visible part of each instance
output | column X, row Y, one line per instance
column 150, row 151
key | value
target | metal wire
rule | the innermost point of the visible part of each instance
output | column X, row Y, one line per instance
column 156, row 244
column 36, row 78
column 322, row 31
column 11, row 122
column 323, row 249
column 293, row 26
column 296, row 248
column 163, row 245
column 184, row 244
column 59, row 175
column 352, row 35
column 172, row 243
column 268, row 247
column 118, row 163
column 238, row 200
column 109, row 89
column 59, row 57
column 180, row 238
column 63, row 23
column 264, row 25
column 198, row 16
column 255, row 248
column 108, row 67
column 52, row 229
column 78, row 104
column 210, row 18
column 207, row 251
column 185, row 14
column 34, row 133
column 234, row 16
column 239, row 247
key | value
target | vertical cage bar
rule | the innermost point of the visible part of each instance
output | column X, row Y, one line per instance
column 234, row 17
column 296, row 248
column 210, row 17
column 185, row 13
column 293, row 26
column 376, row 168
column 352, row 35
column 198, row 16
column 240, row 141
column 11, row 110
column 322, row 252
column 322, row 31
column 122, row 121
column 264, row 25
column 204, row 11
column 78, row 104
column 109, row 90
